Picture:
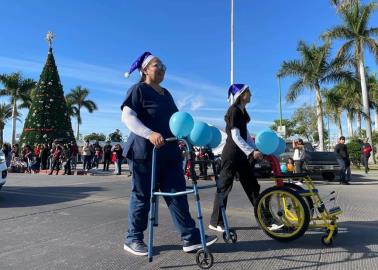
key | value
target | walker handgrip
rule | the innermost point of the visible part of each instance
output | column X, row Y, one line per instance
column 172, row 139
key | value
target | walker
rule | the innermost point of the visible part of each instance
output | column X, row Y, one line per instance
column 204, row 258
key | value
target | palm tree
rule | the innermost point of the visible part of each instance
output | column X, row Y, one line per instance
column 5, row 115
column 311, row 71
column 333, row 106
column 18, row 89
column 358, row 35
column 76, row 100
column 341, row 4
column 373, row 97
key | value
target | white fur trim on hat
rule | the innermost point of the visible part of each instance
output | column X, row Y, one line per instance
column 147, row 61
column 232, row 98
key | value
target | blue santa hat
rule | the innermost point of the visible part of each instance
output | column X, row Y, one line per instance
column 140, row 63
column 235, row 90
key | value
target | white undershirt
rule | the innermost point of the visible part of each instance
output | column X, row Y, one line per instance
column 246, row 146
column 130, row 119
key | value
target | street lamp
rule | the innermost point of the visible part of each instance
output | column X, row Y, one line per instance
column 232, row 43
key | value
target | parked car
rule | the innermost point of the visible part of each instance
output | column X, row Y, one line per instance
column 3, row 169
column 322, row 164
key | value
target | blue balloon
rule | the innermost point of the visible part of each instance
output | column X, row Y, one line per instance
column 181, row 123
column 216, row 137
column 283, row 168
column 280, row 148
column 201, row 134
column 267, row 141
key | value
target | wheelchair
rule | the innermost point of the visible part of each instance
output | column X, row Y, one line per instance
column 286, row 211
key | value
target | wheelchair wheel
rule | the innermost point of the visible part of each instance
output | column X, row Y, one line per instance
column 282, row 213
column 204, row 259
column 307, row 198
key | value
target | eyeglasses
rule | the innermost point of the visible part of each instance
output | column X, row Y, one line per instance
column 160, row 66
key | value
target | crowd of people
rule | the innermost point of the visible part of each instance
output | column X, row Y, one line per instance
column 60, row 156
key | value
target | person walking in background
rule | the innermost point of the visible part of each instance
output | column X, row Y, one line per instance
column 27, row 156
column 56, row 156
column 146, row 112
column 52, row 150
column 107, row 155
column 74, row 152
column 44, row 155
column 342, row 156
column 298, row 155
column 66, row 159
column 15, row 151
column 97, row 154
column 7, row 153
column 365, row 154
column 119, row 158
column 87, row 155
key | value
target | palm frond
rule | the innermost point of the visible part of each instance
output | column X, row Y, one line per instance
column 295, row 90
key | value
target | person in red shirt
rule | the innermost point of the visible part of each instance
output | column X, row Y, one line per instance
column 365, row 154
column 56, row 155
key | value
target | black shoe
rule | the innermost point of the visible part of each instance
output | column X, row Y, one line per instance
column 344, row 183
column 138, row 248
column 190, row 246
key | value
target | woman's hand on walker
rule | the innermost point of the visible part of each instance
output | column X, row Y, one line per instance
column 156, row 139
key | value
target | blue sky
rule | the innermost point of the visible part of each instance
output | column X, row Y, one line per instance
column 96, row 42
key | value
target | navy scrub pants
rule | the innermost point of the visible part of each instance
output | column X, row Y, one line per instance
column 169, row 178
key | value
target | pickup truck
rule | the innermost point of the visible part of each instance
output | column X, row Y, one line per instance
column 322, row 164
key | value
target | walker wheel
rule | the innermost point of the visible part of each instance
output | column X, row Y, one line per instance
column 204, row 259
column 233, row 236
column 326, row 242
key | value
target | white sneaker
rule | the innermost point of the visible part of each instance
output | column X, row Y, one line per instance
column 217, row 228
column 298, row 183
column 275, row 227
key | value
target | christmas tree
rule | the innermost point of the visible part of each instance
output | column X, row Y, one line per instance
column 47, row 119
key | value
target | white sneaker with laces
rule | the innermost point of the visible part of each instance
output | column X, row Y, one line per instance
column 218, row 228
column 275, row 227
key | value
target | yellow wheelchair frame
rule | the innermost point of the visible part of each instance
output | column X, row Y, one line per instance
column 296, row 208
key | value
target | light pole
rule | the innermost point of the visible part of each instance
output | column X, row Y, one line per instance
column 279, row 94
column 232, row 43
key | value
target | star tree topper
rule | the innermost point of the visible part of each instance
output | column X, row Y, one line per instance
column 49, row 37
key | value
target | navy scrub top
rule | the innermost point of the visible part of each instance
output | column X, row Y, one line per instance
column 154, row 111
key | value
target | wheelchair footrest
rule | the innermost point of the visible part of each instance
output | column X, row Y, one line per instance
column 335, row 210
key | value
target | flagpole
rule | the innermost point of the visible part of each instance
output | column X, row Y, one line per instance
column 232, row 43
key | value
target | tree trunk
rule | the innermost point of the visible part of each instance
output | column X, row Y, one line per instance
column 319, row 114
column 358, row 119
column 365, row 100
column 339, row 127
column 1, row 136
column 350, row 124
column 77, row 131
column 78, row 125
column 14, row 118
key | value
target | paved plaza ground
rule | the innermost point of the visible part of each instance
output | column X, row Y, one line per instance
column 78, row 222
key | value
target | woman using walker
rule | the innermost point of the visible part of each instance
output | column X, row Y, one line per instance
column 238, row 154
column 146, row 112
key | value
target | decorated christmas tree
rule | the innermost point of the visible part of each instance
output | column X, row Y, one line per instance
column 47, row 119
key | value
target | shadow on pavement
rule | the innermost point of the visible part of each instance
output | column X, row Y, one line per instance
column 34, row 196
column 355, row 238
